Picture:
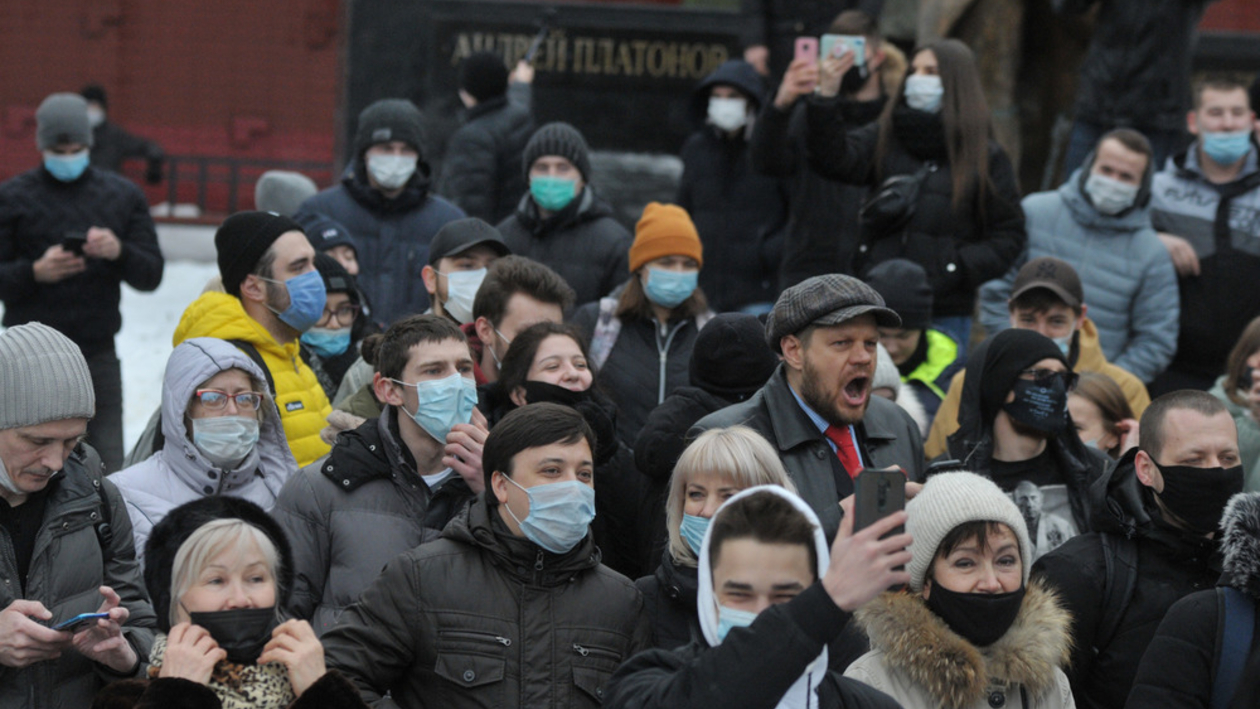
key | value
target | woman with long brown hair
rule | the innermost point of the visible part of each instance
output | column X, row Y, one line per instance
column 943, row 191
column 1239, row 389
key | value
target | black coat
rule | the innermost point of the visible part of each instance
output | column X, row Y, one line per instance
column 669, row 600
column 960, row 250
column 332, row 691
column 36, row 212
column 1171, row 564
column 482, row 171
column 1137, row 71
column 822, row 233
column 111, row 145
column 751, row 669
column 582, row 242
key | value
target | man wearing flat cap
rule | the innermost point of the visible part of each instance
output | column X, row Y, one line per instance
column 66, row 535
column 817, row 409
column 70, row 235
column 273, row 295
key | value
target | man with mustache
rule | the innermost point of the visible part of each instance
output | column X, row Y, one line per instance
column 817, row 408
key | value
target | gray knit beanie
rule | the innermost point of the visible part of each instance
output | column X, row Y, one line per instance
column 886, row 374
column 62, row 118
column 282, row 192
column 43, row 377
column 949, row 500
column 559, row 139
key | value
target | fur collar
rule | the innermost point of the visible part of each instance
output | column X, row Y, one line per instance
column 1241, row 543
column 953, row 671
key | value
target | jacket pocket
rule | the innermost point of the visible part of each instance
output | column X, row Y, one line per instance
column 592, row 667
column 470, row 659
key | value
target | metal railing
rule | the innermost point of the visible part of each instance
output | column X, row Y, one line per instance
column 219, row 185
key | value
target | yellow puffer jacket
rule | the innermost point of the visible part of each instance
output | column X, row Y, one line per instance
column 301, row 400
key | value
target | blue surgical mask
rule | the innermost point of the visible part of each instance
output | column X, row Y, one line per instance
column 225, row 440
column 1064, row 343
column 732, row 618
column 924, row 92
column 560, row 514
column 669, row 289
column 327, row 342
column 1226, row 148
column 442, row 403
column 461, row 290
column 66, row 168
column 306, row 300
column 692, row 529
column 552, row 193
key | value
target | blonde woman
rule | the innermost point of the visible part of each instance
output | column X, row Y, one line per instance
column 718, row 464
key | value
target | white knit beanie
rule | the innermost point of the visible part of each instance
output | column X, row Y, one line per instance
column 886, row 374
column 952, row 499
column 43, row 377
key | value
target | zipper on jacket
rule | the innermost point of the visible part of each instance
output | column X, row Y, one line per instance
column 538, row 561
column 663, row 350
column 597, row 652
column 472, row 635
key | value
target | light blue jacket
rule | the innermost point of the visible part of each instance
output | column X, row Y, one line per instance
column 1128, row 278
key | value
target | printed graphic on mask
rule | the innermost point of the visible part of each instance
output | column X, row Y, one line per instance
column 1047, row 512
column 391, row 171
column 1040, row 405
column 461, row 289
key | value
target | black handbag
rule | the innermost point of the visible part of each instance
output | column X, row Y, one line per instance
column 891, row 208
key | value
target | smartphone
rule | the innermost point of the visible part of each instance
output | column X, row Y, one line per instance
column 807, row 49
column 857, row 43
column 73, row 241
column 877, row 494
column 79, row 622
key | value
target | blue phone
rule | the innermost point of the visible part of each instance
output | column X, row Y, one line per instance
column 79, row 622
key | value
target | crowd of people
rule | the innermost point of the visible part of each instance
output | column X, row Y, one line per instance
column 464, row 439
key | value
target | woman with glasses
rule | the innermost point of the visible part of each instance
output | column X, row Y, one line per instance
column 222, row 436
column 332, row 345
column 1014, row 428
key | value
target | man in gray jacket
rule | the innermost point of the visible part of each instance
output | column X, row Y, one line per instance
column 817, row 408
column 1099, row 221
column 67, row 532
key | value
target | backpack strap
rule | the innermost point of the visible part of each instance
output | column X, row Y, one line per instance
column 1234, row 645
column 95, row 469
column 607, row 330
column 1120, row 562
column 253, row 353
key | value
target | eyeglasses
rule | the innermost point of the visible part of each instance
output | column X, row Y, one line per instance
column 346, row 313
column 217, row 399
column 1041, row 375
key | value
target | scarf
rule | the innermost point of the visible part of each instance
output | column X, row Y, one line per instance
column 922, row 134
column 239, row 686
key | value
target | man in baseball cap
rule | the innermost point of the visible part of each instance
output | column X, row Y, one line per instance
column 817, row 408
column 458, row 258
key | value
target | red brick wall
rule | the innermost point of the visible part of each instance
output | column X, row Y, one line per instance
column 1232, row 16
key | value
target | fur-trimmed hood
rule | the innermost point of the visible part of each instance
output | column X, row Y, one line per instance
column 917, row 643
column 1241, row 543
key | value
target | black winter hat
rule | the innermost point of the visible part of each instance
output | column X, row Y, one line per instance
column 336, row 278
column 999, row 363
column 559, row 139
column 387, row 120
column 95, row 92
column 905, row 288
column 242, row 240
column 731, row 359
column 461, row 235
column 483, row 75
column 325, row 232
column 179, row 524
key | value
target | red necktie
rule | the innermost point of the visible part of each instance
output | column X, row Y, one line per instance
column 846, row 449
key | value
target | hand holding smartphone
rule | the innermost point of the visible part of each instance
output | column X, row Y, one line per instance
column 877, row 494
column 807, row 49
column 854, row 43
column 80, row 622
column 74, row 241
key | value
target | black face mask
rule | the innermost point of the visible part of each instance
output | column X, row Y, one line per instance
column 241, row 632
column 542, row 391
column 1040, row 404
column 1198, row 495
column 980, row 618
column 854, row 79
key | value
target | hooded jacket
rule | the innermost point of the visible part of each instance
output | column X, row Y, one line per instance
column 583, row 243
column 391, row 236
column 299, row 397
column 1220, row 224
column 779, row 660
column 348, row 514
column 739, row 213
column 1090, row 358
column 1078, row 466
column 960, row 248
column 887, row 436
column 481, row 172
column 67, row 568
column 1179, row 667
column 180, row 472
column 1128, row 277
column 502, row 623
column 1171, row 564
column 923, row 664
column 669, row 600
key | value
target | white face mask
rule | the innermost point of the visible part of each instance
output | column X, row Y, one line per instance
column 924, row 92
column 7, row 482
column 95, row 116
column 225, row 440
column 728, row 114
column 1110, row 196
column 461, row 289
column 391, row 171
